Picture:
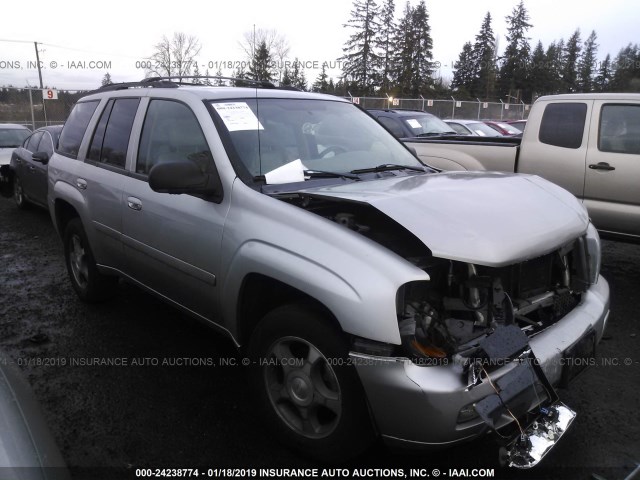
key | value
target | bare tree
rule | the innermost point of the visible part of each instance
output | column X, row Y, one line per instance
column 276, row 43
column 175, row 56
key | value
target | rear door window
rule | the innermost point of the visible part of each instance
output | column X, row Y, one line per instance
column 111, row 137
column 563, row 124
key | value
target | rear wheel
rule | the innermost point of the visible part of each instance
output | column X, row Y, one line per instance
column 308, row 392
column 87, row 281
column 18, row 192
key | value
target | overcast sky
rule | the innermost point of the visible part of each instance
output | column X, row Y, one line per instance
column 117, row 34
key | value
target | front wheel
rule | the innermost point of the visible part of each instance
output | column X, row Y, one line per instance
column 307, row 391
column 90, row 285
column 18, row 193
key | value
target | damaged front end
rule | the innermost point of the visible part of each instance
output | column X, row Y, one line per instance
column 482, row 339
column 482, row 319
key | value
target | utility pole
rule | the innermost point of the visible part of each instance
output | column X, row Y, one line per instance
column 44, row 108
column 38, row 62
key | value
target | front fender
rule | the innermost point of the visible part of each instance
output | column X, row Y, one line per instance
column 365, row 308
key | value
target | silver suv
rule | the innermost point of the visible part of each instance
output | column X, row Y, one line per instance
column 373, row 294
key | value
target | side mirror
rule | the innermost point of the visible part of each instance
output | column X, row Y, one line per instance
column 40, row 157
column 414, row 151
column 184, row 177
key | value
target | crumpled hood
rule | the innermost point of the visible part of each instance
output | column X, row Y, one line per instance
column 491, row 219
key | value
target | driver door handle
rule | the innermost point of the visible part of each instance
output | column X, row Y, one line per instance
column 601, row 166
column 134, row 203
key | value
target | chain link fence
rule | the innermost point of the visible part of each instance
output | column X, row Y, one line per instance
column 448, row 109
column 32, row 108
column 28, row 106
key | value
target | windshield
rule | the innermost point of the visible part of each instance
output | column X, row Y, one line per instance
column 12, row 137
column 483, row 130
column 510, row 129
column 313, row 135
column 426, row 125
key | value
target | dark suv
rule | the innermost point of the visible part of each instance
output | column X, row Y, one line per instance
column 411, row 123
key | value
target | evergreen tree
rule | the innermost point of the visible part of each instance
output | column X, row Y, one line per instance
column 321, row 85
column 413, row 52
column 587, row 63
column 384, row 43
column 196, row 73
column 484, row 52
column 513, row 72
column 555, row 67
column 260, row 65
column 465, row 70
column 605, row 72
column 360, row 57
column 106, row 80
column 404, row 47
column 626, row 76
column 286, row 77
column 331, row 88
column 239, row 74
column 298, row 79
column 570, row 67
column 539, row 73
column 218, row 82
column 423, row 55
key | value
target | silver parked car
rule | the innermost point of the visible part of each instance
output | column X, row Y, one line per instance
column 475, row 128
column 373, row 295
column 11, row 137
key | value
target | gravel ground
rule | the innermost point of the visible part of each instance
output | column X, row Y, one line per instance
column 108, row 420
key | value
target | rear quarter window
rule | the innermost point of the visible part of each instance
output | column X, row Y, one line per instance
column 563, row 124
column 75, row 128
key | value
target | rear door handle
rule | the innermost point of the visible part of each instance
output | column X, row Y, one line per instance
column 601, row 166
column 81, row 183
column 134, row 203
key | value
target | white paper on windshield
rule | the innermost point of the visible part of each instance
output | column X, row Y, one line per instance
column 237, row 116
column 287, row 173
column 413, row 123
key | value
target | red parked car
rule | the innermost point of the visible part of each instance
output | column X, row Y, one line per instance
column 503, row 127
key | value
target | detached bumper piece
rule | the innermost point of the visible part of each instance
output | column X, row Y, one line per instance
column 540, row 437
column 524, row 411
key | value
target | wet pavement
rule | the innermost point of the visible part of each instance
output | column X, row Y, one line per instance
column 134, row 383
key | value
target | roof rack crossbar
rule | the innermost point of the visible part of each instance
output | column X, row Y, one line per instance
column 257, row 83
column 126, row 85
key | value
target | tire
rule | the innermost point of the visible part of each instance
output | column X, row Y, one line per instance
column 18, row 193
column 314, row 405
column 90, row 285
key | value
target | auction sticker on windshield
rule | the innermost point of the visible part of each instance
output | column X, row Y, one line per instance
column 237, row 116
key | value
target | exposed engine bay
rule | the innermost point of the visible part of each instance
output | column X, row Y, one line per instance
column 464, row 302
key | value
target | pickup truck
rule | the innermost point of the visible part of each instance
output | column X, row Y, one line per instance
column 587, row 143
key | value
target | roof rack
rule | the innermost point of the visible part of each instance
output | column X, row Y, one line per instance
column 169, row 82
column 125, row 85
column 256, row 83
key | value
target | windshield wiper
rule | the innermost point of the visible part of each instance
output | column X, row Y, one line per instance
column 388, row 166
column 322, row 173
column 435, row 134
